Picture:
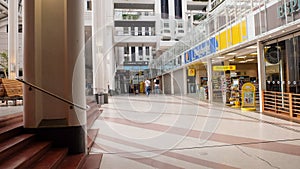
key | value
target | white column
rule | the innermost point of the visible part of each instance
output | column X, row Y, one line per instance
column 172, row 83
column 108, row 46
column 98, row 18
column 184, row 81
column 209, row 81
column 13, row 45
column 261, row 73
column 172, row 24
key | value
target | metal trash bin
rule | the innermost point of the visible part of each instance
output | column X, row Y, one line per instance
column 97, row 98
column 105, row 98
column 101, row 98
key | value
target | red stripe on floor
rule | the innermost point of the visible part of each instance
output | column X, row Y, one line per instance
column 168, row 153
column 230, row 139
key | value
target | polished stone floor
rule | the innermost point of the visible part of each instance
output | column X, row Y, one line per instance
column 172, row 132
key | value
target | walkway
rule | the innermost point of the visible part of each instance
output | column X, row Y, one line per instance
column 174, row 132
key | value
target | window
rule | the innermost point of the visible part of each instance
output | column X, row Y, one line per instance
column 126, row 50
column 166, row 25
column 139, row 31
column 146, row 31
column 147, row 50
column 180, row 25
column 125, row 30
column 132, row 31
column 141, row 51
column 164, row 9
column 89, row 5
column 178, row 9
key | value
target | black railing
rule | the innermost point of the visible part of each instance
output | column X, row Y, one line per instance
column 51, row 94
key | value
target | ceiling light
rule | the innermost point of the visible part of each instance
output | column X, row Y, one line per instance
column 249, row 60
column 254, row 53
column 241, row 57
column 251, row 47
column 231, row 54
column 231, row 60
column 243, row 61
column 221, row 57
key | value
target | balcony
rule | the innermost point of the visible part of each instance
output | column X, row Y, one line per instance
column 141, row 15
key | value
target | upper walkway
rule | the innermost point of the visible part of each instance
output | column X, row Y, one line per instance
column 140, row 132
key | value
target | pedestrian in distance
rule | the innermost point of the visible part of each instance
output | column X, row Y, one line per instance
column 147, row 86
column 156, row 85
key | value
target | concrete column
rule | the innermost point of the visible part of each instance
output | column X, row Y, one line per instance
column 97, row 40
column 209, row 81
column 163, row 84
column 172, row 82
column 261, row 72
column 54, row 61
column 184, row 80
column 108, row 45
column 13, row 45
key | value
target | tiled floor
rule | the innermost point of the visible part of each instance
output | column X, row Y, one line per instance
column 170, row 132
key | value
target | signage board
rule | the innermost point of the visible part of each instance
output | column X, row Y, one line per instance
column 224, row 68
column 248, row 96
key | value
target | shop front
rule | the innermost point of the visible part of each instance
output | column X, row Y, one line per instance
column 229, row 73
column 282, row 65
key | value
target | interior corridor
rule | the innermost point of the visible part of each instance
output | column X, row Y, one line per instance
column 172, row 132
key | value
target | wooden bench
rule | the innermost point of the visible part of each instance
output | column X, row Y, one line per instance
column 13, row 90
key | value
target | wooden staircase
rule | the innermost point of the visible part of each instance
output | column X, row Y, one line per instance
column 22, row 150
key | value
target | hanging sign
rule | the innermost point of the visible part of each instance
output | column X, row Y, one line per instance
column 224, row 68
column 248, row 97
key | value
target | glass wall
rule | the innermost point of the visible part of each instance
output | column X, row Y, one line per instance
column 282, row 65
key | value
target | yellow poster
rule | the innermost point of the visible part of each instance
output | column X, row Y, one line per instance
column 191, row 72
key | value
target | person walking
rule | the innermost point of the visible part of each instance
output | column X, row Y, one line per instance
column 147, row 85
column 156, row 85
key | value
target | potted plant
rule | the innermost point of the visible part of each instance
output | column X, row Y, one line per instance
column 4, row 62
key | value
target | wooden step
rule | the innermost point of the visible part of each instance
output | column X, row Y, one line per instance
column 11, row 119
column 27, row 156
column 92, row 161
column 52, row 159
column 11, row 131
column 73, row 161
column 91, row 136
column 92, row 114
column 14, row 144
column 92, row 119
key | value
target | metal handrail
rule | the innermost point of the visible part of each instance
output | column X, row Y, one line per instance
column 51, row 94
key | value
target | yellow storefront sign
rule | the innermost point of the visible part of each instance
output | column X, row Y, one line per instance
column 224, row 68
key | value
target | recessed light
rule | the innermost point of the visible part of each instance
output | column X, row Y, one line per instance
column 251, row 47
column 231, row 54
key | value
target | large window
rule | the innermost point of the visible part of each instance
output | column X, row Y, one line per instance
column 283, row 65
